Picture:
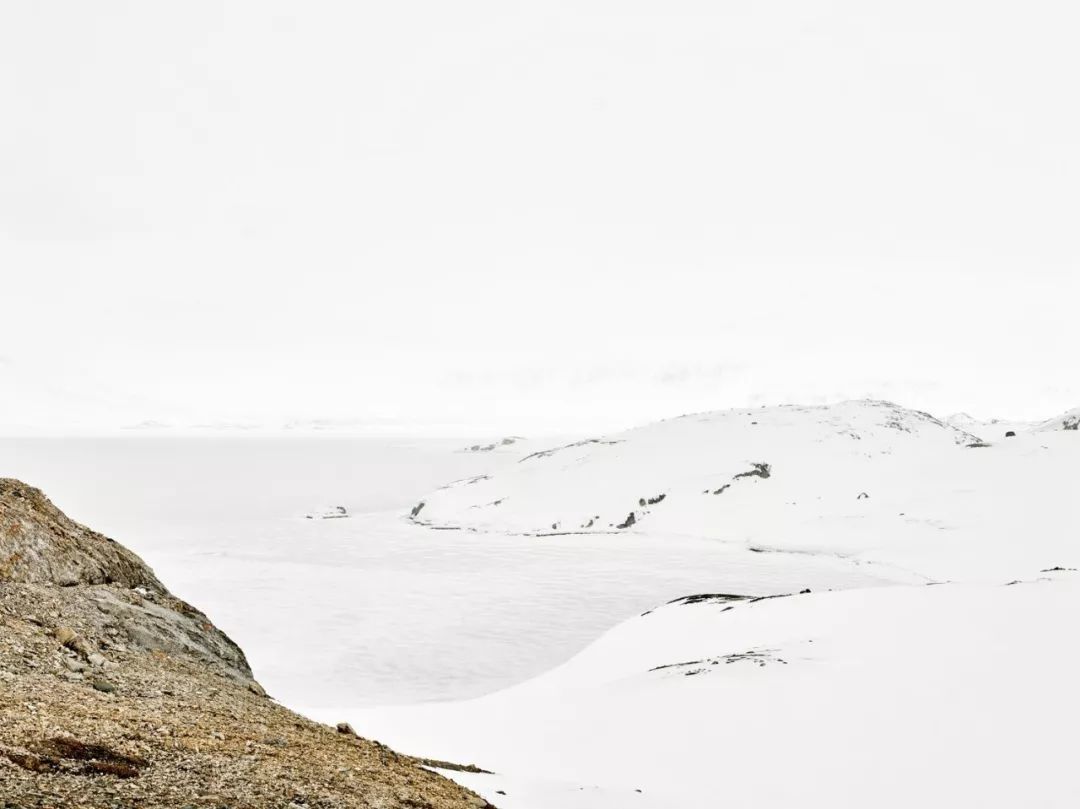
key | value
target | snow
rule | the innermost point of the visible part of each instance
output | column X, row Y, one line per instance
column 1069, row 421
column 989, row 429
column 372, row 610
column 951, row 695
column 864, row 481
column 932, row 661
column 958, row 691
column 601, row 480
column 329, row 513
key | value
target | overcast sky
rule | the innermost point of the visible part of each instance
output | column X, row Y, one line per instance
column 533, row 216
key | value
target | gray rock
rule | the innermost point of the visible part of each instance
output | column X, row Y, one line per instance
column 73, row 664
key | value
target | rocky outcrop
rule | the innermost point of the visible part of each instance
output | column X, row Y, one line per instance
column 41, row 547
column 115, row 693
column 509, row 441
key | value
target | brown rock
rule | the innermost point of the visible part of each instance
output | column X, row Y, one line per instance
column 67, row 637
column 92, row 742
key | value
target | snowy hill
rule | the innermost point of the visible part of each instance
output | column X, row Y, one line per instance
column 893, row 693
column 865, row 480
column 1066, row 421
column 593, row 485
column 946, row 696
column 988, row 429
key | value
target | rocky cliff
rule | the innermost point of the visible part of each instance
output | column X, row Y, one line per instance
column 115, row 693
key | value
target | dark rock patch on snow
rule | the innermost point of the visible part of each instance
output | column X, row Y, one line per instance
column 760, row 470
column 546, row 453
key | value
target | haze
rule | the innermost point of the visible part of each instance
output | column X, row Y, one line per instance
column 530, row 217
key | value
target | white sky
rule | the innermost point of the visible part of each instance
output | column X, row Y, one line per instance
column 533, row 216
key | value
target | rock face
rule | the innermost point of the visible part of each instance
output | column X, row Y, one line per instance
column 40, row 545
column 115, row 693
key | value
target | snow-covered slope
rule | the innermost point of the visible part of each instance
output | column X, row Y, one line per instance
column 866, row 480
column 957, row 692
column 1069, row 421
column 988, row 429
column 936, row 696
column 594, row 484
column 510, row 443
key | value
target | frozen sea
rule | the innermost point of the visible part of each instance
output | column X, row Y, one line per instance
column 371, row 610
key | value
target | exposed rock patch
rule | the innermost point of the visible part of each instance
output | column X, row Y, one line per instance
column 333, row 513
column 547, row 453
column 692, row 668
column 760, row 470
column 509, row 441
